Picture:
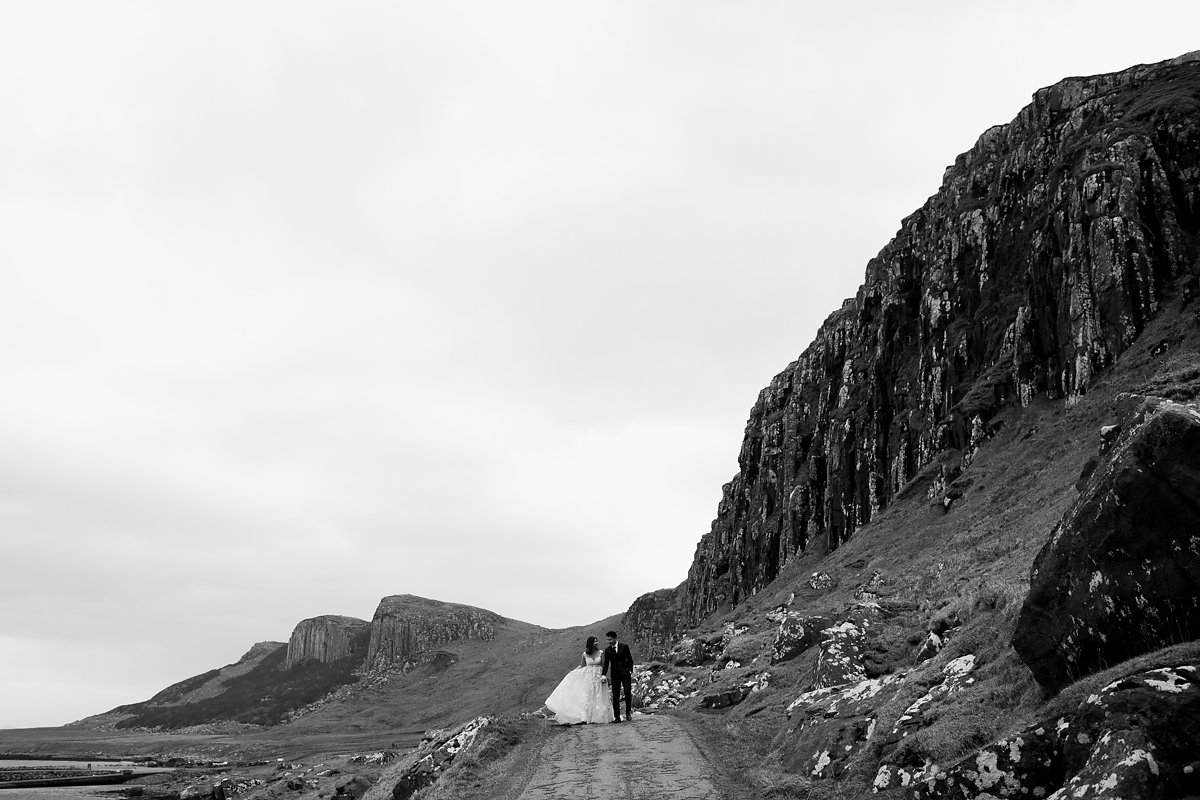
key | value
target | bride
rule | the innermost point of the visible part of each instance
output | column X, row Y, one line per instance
column 581, row 696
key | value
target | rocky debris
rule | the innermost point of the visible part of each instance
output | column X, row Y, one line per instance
column 796, row 634
column 729, row 697
column 820, row 581
column 840, row 656
column 930, row 647
column 868, row 591
column 832, row 724
column 1136, row 737
column 956, row 675
column 381, row 758
column 693, row 651
column 352, row 786
column 653, row 621
column 1041, row 258
column 432, row 757
column 405, row 625
column 1120, row 575
column 1108, row 437
column 327, row 638
column 736, row 694
column 656, row 686
column 744, row 648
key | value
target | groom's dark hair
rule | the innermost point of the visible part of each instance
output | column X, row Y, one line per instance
column 612, row 634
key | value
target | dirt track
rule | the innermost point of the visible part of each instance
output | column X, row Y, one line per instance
column 649, row 757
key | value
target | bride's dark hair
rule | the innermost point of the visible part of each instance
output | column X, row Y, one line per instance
column 591, row 645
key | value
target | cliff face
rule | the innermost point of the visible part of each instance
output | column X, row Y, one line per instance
column 653, row 621
column 1039, row 260
column 405, row 626
column 327, row 638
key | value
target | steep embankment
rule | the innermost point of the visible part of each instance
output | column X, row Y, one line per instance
column 1043, row 256
column 1011, row 393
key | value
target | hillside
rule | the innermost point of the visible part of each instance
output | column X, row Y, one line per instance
column 419, row 664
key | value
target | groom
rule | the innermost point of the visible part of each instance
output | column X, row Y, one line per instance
column 616, row 665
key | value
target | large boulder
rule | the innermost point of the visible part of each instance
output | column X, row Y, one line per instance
column 1120, row 575
column 840, row 656
column 796, row 634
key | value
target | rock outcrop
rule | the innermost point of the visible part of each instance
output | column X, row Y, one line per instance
column 1048, row 247
column 427, row 762
column 1137, row 737
column 328, row 638
column 1120, row 575
column 653, row 621
column 406, row 626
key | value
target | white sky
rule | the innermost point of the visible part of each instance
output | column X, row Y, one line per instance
column 305, row 304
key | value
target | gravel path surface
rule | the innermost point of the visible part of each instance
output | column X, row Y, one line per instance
column 648, row 757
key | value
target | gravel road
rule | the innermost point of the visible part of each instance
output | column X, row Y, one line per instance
column 648, row 757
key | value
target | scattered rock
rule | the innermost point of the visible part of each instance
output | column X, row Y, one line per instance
column 840, row 657
column 1137, row 737
column 832, row 724
column 434, row 754
column 730, row 697
column 352, row 786
column 796, row 634
column 930, row 647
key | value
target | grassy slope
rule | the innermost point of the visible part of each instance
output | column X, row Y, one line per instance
column 971, row 563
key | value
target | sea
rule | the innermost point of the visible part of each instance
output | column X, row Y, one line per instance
column 109, row 792
column 64, row 792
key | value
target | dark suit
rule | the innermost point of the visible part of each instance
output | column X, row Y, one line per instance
column 617, row 664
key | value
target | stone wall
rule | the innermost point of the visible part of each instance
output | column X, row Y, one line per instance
column 1046, row 250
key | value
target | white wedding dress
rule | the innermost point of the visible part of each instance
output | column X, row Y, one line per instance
column 580, row 696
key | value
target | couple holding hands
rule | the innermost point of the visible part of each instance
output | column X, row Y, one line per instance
column 582, row 695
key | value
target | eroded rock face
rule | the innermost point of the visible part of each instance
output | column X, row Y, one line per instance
column 405, row 626
column 1041, row 258
column 1121, row 574
column 653, row 621
column 328, row 638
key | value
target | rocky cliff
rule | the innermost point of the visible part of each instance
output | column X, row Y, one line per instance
column 653, row 621
column 405, row 626
column 328, row 638
column 1048, row 247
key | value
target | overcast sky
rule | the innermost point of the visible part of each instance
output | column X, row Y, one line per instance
column 306, row 304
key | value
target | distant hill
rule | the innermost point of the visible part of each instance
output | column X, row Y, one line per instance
column 419, row 663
